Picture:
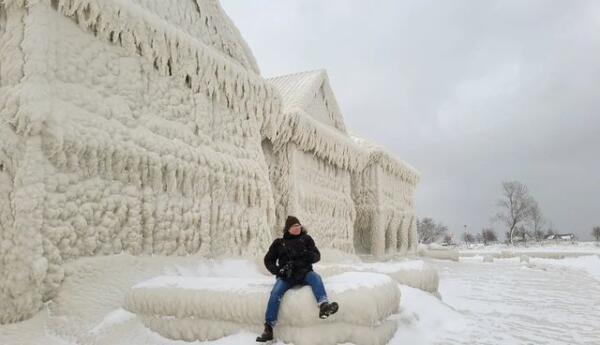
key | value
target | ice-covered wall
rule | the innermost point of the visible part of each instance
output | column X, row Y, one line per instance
column 322, row 200
column 384, row 196
column 22, row 265
column 122, row 131
column 315, row 191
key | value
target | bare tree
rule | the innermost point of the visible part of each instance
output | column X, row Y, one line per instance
column 429, row 231
column 479, row 238
column 488, row 235
column 448, row 239
column 596, row 232
column 521, row 233
column 537, row 221
column 468, row 238
column 515, row 206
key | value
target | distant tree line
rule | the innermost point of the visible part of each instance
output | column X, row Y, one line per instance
column 596, row 233
column 431, row 231
column 518, row 211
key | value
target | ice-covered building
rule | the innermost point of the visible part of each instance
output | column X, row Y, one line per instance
column 144, row 127
column 383, row 192
column 311, row 157
column 125, row 126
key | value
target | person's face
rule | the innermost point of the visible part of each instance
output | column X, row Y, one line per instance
column 295, row 229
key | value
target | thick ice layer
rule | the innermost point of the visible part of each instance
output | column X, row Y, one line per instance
column 364, row 298
column 384, row 196
column 134, row 127
column 319, row 334
column 125, row 133
column 414, row 273
column 439, row 253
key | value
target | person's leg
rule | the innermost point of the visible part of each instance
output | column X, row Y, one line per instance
column 316, row 284
column 279, row 289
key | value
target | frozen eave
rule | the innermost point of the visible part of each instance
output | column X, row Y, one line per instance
column 311, row 135
column 378, row 155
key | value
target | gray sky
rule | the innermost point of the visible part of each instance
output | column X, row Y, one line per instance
column 471, row 93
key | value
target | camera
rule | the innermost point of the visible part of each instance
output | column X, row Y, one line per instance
column 286, row 271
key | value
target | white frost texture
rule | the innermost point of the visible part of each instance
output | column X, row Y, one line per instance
column 414, row 273
column 191, row 308
column 383, row 191
column 310, row 158
column 144, row 127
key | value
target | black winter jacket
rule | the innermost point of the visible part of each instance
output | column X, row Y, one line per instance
column 299, row 252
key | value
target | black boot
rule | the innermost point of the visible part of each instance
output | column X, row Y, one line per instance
column 326, row 309
column 267, row 334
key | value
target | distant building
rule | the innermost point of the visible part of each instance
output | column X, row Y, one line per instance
column 560, row 237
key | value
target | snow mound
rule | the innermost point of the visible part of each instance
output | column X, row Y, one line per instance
column 207, row 308
column 440, row 253
column 331, row 255
column 414, row 273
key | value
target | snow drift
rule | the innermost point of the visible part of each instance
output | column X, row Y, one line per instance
column 440, row 253
column 191, row 308
column 414, row 273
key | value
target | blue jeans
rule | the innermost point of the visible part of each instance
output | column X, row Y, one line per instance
column 281, row 286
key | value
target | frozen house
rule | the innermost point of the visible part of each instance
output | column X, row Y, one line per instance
column 383, row 192
column 311, row 157
column 126, row 126
column 144, row 127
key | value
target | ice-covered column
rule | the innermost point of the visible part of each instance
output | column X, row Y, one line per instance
column 377, row 234
column 404, row 228
column 23, row 266
column 413, row 238
column 392, row 235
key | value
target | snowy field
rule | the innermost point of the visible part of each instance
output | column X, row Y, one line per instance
column 521, row 299
column 545, row 301
column 507, row 301
column 553, row 250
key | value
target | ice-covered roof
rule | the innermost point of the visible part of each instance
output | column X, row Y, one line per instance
column 193, row 41
column 311, row 118
column 205, row 20
column 311, row 92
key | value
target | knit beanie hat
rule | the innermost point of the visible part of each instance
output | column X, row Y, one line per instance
column 291, row 220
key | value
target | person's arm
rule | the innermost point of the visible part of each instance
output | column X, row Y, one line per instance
column 312, row 254
column 271, row 258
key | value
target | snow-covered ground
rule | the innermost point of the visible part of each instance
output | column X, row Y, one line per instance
column 507, row 301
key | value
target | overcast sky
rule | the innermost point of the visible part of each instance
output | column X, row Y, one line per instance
column 471, row 93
